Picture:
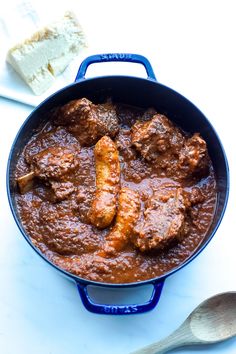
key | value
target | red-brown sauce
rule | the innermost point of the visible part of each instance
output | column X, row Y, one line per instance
column 61, row 230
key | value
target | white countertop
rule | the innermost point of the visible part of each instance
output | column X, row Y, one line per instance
column 191, row 45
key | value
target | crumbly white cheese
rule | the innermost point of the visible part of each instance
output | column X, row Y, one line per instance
column 47, row 53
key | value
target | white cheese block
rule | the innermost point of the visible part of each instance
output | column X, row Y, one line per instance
column 47, row 53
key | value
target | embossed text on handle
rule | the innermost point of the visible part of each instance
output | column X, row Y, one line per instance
column 120, row 310
column 116, row 56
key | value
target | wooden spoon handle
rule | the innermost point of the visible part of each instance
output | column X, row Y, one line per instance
column 160, row 347
column 181, row 337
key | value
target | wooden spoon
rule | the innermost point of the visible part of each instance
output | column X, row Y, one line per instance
column 214, row 320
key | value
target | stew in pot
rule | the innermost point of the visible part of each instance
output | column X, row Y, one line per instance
column 114, row 193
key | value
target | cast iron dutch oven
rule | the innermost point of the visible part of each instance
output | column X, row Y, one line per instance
column 143, row 93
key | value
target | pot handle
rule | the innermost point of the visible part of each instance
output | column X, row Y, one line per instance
column 105, row 309
column 125, row 57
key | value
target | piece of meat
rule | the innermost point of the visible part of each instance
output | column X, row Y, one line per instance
column 54, row 162
column 127, row 215
column 193, row 157
column 39, row 146
column 87, row 121
column 107, row 165
column 163, row 219
column 155, row 137
column 53, row 166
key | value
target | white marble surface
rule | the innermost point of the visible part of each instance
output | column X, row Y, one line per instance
column 191, row 45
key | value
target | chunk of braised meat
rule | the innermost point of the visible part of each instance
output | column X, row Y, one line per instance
column 53, row 165
column 87, row 121
column 164, row 219
column 155, row 137
column 54, row 162
column 193, row 157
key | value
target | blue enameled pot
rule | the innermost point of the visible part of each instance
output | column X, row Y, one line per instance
column 142, row 93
